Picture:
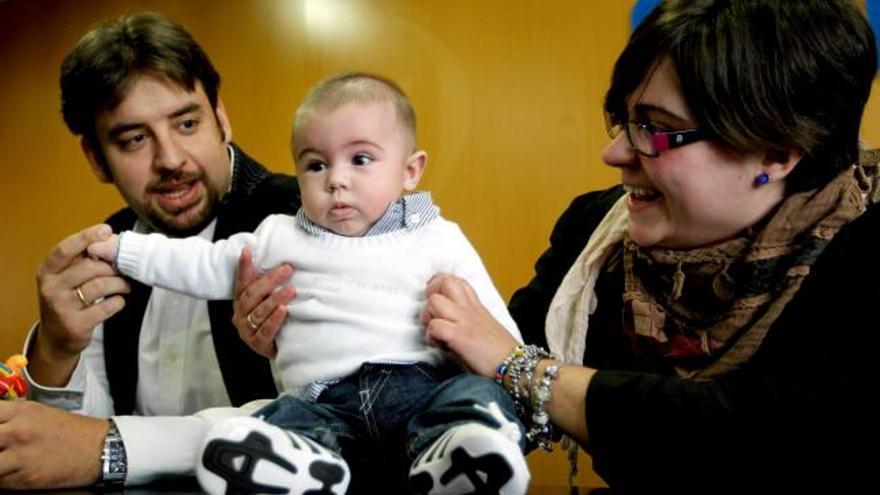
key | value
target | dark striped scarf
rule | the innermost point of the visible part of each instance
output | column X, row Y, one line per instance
column 704, row 312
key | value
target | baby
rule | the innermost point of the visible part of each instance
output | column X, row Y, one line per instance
column 358, row 375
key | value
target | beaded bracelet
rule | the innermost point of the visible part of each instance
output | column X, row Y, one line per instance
column 524, row 370
column 501, row 370
column 519, row 369
column 541, row 431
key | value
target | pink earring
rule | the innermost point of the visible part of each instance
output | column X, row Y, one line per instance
column 762, row 179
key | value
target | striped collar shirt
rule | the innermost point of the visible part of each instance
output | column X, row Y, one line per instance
column 408, row 212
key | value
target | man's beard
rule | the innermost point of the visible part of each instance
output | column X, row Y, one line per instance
column 168, row 225
column 189, row 221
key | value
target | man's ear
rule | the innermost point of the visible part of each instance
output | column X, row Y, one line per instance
column 96, row 160
column 223, row 122
column 779, row 163
column 415, row 166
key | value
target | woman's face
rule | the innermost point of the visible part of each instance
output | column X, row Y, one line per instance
column 692, row 195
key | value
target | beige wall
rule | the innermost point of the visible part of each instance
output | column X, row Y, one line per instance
column 508, row 95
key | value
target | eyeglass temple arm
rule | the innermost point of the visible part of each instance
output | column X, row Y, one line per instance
column 663, row 141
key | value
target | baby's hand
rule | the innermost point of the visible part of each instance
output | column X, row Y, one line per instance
column 106, row 249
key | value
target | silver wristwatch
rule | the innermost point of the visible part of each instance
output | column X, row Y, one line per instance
column 114, row 466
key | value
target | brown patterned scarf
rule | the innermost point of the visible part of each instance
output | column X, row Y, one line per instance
column 706, row 311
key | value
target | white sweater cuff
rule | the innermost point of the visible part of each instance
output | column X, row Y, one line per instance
column 128, row 252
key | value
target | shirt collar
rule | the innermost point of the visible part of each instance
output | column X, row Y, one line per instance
column 408, row 212
column 231, row 166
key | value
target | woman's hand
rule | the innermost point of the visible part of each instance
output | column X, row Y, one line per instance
column 457, row 322
column 260, row 305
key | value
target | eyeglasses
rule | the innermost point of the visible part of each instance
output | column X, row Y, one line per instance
column 647, row 140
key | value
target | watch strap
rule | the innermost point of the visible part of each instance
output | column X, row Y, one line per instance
column 114, row 464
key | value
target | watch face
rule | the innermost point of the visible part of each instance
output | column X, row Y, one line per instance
column 118, row 465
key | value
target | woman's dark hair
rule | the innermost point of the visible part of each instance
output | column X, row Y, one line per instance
column 97, row 71
column 762, row 75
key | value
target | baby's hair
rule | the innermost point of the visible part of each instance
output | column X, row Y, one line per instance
column 357, row 87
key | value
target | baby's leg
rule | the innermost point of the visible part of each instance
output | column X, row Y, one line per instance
column 287, row 448
column 468, row 440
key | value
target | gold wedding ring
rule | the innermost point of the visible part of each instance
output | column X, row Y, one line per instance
column 79, row 294
column 251, row 323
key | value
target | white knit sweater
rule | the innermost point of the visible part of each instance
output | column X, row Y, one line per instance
column 358, row 299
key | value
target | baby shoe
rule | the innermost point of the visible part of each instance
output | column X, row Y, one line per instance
column 247, row 455
column 471, row 458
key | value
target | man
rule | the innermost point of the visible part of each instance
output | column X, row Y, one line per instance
column 142, row 95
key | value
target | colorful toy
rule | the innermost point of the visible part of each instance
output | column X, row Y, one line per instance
column 12, row 383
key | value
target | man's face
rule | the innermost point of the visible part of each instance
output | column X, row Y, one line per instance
column 165, row 151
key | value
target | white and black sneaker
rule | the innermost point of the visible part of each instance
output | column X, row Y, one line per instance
column 247, row 455
column 471, row 458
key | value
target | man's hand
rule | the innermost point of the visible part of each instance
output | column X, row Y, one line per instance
column 260, row 309
column 76, row 293
column 43, row 447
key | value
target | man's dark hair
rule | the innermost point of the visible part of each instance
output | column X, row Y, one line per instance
column 762, row 75
column 97, row 71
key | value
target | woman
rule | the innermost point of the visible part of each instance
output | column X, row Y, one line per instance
column 741, row 353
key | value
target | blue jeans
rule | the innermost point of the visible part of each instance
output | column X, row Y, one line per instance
column 380, row 418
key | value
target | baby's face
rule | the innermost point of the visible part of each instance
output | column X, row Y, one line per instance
column 351, row 163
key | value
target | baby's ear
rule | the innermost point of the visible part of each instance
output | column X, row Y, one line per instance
column 415, row 166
